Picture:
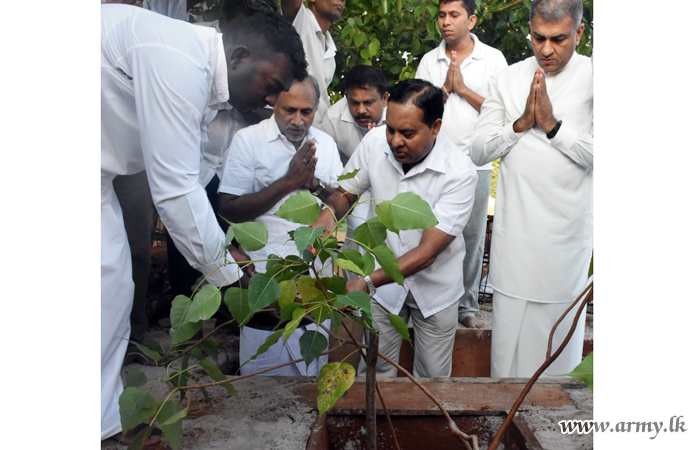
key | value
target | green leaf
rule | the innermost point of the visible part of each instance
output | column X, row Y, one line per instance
column 330, row 242
column 368, row 264
column 371, row 233
column 349, row 265
column 334, row 380
column 236, row 300
column 181, row 330
column 356, row 299
column 386, row 258
column 334, row 284
column 205, row 304
column 165, row 419
column 312, row 344
column 320, row 311
column 359, row 38
column 170, row 420
column 336, row 320
column 400, row 326
column 374, row 47
column 584, row 371
column 407, row 211
column 307, row 289
column 135, row 407
column 288, row 309
column 154, row 355
column 297, row 315
column 269, row 342
column 349, row 175
column 263, row 290
column 135, row 378
column 229, row 235
column 140, row 438
column 250, row 235
column 289, row 293
column 305, row 236
column 301, row 207
column 210, row 348
column 217, row 375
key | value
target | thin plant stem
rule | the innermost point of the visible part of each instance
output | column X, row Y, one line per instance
column 554, row 328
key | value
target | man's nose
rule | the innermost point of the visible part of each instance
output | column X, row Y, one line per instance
column 296, row 119
column 547, row 48
column 397, row 140
column 361, row 109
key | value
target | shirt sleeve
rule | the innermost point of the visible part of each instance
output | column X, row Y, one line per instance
column 422, row 72
column 359, row 160
column 493, row 138
column 239, row 168
column 577, row 146
column 170, row 93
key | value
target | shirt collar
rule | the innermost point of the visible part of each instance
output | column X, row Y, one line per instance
column 477, row 53
column 435, row 160
column 273, row 133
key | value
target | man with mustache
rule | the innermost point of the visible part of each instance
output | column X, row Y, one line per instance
column 312, row 24
column 463, row 66
column 411, row 154
column 268, row 163
column 538, row 118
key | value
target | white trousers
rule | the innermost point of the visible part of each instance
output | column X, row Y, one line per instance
column 520, row 334
column 252, row 339
column 117, row 298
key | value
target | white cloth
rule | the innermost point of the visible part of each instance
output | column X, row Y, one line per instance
column 340, row 125
column 320, row 54
column 220, row 133
column 252, row 339
column 159, row 89
column 543, row 223
column 459, row 118
column 260, row 155
column 446, row 180
column 521, row 332
column 176, row 9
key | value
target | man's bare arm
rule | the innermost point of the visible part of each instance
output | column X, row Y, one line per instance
column 433, row 242
column 339, row 203
column 290, row 8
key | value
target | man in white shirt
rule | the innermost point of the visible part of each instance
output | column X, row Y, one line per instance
column 411, row 154
column 538, row 118
column 268, row 163
column 362, row 108
column 313, row 25
column 159, row 90
column 463, row 66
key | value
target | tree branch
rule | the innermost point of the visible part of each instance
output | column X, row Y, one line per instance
column 506, row 7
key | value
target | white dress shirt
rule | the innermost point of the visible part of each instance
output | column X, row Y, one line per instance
column 260, row 155
column 543, row 223
column 220, row 133
column 320, row 54
column 341, row 126
column 459, row 118
column 446, row 179
column 159, row 91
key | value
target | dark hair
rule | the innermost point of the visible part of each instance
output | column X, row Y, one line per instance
column 469, row 5
column 365, row 77
column 556, row 10
column 232, row 8
column 424, row 95
column 268, row 35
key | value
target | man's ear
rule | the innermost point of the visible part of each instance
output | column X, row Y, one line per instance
column 239, row 53
column 579, row 33
column 385, row 98
column 435, row 129
column 472, row 22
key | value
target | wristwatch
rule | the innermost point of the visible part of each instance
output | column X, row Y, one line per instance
column 553, row 133
column 371, row 290
column 319, row 189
